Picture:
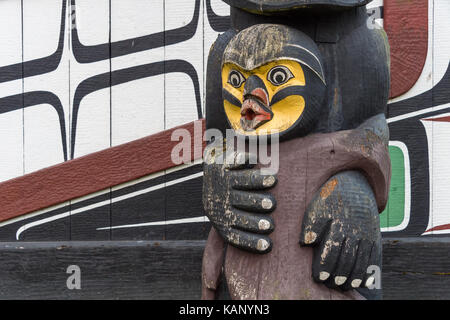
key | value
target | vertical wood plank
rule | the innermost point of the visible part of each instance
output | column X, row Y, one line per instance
column 89, row 82
column 220, row 9
column 184, row 81
column 441, row 125
column 11, row 109
column 137, row 96
column 411, row 132
column 46, row 97
column 424, row 83
column 91, row 106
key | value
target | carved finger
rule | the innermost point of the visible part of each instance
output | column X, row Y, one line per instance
column 252, row 222
column 239, row 160
column 359, row 272
column 313, row 227
column 252, row 201
column 374, row 262
column 326, row 257
column 316, row 221
column 346, row 261
column 248, row 241
column 251, row 180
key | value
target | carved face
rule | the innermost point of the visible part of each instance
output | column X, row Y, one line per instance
column 267, row 99
column 272, row 82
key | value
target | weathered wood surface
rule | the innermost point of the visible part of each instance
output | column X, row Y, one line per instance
column 113, row 111
column 416, row 268
column 406, row 23
column 94, row 172
column 413, row 268
column 317, row 157
column 109, row 270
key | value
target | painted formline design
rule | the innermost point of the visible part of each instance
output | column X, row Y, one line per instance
column 118, row 77
column 201, row 219
column 407, row 212
column 112, row 200
column 37, row 66
column 406, row 124
column 94, row 172
column 120, row 48
column 97, row 53
column 437, row 129
column 411, row 117
column 105, row 51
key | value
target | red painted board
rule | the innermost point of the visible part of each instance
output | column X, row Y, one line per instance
column 406, row 24
column 93, row 172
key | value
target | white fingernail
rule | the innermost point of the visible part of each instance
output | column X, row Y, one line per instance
column 262, row 245
column 324, row 275
column 370, row 281
column 263, row 224
column 356, row 283
column 310, row 237
column 268, row 181
column 340, row 280
column 266, row 203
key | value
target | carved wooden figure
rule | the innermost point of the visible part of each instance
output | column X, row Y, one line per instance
column 313, row 72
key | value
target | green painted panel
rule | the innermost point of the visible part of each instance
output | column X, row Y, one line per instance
column 394, row 213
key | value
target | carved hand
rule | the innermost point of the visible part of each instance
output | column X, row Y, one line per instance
column 342, row 224
column 235, row 200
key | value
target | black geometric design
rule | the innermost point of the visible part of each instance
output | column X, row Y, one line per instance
column 107, row 79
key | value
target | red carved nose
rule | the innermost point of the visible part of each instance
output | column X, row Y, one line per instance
column 261, row 95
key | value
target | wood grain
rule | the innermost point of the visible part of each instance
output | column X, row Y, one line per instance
column 91, row 173
column 406, row 23
column 171, row 269
column 109, row 270
column 11, row 123
column 416, row 268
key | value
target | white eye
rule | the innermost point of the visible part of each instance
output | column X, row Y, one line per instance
column 235, row 78
column 279, row 75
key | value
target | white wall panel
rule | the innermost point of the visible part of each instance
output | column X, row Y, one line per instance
column 11, row 130
column 42, row 125
column 138, row 97
column 91, row 99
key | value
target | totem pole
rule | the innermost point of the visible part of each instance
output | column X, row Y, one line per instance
column 316, row 74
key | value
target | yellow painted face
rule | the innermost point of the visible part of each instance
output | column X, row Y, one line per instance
column 262, row 84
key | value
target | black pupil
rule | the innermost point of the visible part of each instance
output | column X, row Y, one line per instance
column 235, row 79
column 279, row 75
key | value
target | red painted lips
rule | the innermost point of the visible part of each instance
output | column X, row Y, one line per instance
column 255, row 110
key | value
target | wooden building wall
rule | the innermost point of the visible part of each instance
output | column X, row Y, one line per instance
column 90, row 92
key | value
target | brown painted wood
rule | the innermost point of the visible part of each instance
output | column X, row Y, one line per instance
column 91, row 173
column 406, row 23
column 285, row 272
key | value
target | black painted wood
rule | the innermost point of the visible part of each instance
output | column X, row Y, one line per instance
column 109, row 270
column 84, row 224
column 414, row 268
